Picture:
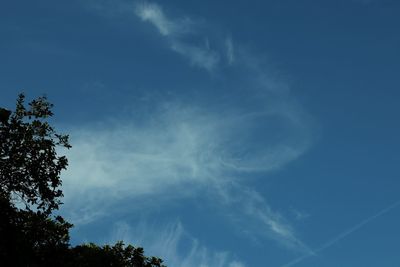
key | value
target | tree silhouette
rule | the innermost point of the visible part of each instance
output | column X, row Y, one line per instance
column 30, row 168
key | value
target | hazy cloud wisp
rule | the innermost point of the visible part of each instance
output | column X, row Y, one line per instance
column 198, row 55
column 191, row 146
column 165, row 241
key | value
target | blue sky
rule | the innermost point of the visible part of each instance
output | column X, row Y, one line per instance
column 221, row 133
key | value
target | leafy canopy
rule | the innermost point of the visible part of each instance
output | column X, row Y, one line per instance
column 29, row 165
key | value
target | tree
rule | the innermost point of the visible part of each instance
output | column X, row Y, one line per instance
column 30, row 168
column 29, row 184
column 117, row 255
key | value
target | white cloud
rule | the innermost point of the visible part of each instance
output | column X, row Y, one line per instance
column 178, row 152
column 229, row 50
column 166, row 243
column 154, row 14
column 199, row 55
column 257, row 217
column 181, row 151
column 118, row 161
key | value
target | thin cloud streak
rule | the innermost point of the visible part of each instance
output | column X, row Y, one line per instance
column 263, row 220
column 200, row 56
column 165, row 242
column 153, row 13
column 230, row 53
column 344, row 234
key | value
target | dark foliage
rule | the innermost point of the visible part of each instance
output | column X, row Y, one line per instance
column 31, row 239
column 29, row 166
column 30, row 235
column 117, row 255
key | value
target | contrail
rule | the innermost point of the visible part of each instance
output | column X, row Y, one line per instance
column 343, row 235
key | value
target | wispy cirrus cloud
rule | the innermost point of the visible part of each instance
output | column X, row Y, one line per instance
column 184, row 149
column 230, row 52
column 198, row 56
column 257, row 217
column 166, row 242
column 180, row 152
column 173, row 30
column 154, row 14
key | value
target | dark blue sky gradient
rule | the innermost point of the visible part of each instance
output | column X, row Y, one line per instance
column 334, row 66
